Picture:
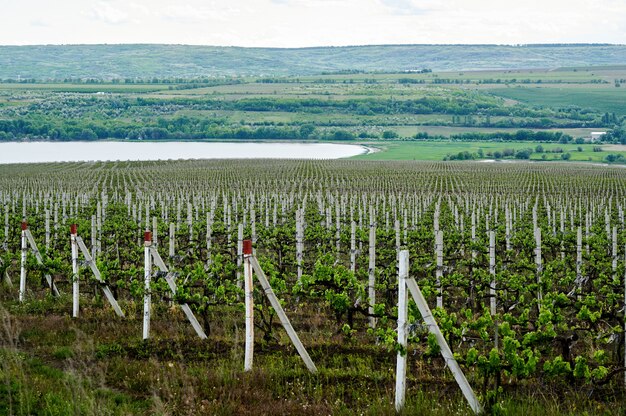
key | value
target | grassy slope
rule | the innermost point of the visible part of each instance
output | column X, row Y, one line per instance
column 431, row 150
column 608, row 99
column 97, row 365
column 121, row 61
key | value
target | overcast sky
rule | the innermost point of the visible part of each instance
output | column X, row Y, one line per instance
column 296, row 23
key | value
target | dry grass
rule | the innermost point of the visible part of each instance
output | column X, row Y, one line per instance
column 97, row 364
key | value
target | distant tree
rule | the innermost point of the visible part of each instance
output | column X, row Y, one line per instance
column 390, row 134
column 566, row 138
column 86, row 134
column 342, row 135
column 306, row 130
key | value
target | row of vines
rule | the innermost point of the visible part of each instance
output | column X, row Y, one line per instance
column 523, row 264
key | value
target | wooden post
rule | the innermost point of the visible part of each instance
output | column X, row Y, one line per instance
column 507, row 220
column 155, row 232
column 147, row 291
column 562, row 230
column 614, row 251
column 371, row 288
column 99, row 228
column 172, row 245
column 253, row 228
column 396, row 225
column 249, row 302
column 492, row 270
column 299, row 239
column 209, row 232
column 446, row 353
column 23, row 263
column 353, row 247
column 579, row 257
column 239, row 252
column 94, row 269
column 75, row 281
column 403, row 272
column 190, row 223
column 6, row 227
column 47, row 230
column 267, row 289
column 439, row 270
column 538, row 264
column 587, row 227
column 337, row 231
column 169, row 278
column 94, row 247
column 474, row 254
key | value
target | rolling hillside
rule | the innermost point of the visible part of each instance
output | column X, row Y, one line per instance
column 164, row 61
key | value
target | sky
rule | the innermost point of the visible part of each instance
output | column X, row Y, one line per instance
column 303, row 23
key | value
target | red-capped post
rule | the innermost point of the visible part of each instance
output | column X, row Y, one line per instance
column 147, row 238
column 247, row 247
column 23, row 262
column 75, row 277
column 249, row 302
column 147, row 299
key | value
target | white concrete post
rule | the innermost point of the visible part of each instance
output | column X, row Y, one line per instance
column 23, row 263
column 249, row 302
column 75, row 278
column 402, row 334
column 147, row 292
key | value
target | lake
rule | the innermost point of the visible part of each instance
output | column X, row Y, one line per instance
column 34, row 152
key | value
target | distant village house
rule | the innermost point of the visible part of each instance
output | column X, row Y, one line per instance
column 595, row 136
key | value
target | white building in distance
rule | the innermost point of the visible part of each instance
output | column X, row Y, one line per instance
column 595, row 136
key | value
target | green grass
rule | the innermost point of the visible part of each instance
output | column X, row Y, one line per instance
column 433, row 150
column 99, row 365
column 88, row 88
column 606, row 99
column 146, row 61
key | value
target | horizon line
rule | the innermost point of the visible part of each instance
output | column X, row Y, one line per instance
column 516, row 45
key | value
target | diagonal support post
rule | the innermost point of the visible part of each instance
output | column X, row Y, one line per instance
column 28, row 240
column 410, row 283
column 446, row 353
column 169, row 278
column 96, row 272
column 271, row 296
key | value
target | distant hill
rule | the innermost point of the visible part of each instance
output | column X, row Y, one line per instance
column 165, row 61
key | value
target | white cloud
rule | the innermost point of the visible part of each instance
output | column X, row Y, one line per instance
column 188, row 13
column 39, row 23
column 410, row 7
column 293, row 23
column 108, row 13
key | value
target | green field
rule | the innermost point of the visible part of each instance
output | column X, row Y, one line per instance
column 606, row 98
column 43, row 62
column 431, row 150
column 516, row 233
column 347, row 107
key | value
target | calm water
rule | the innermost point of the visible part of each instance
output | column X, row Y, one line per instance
column 18, row 152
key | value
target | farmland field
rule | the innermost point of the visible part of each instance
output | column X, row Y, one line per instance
column 609, row 99
column 433, row 150
column 523, row 265
column 490, row 105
